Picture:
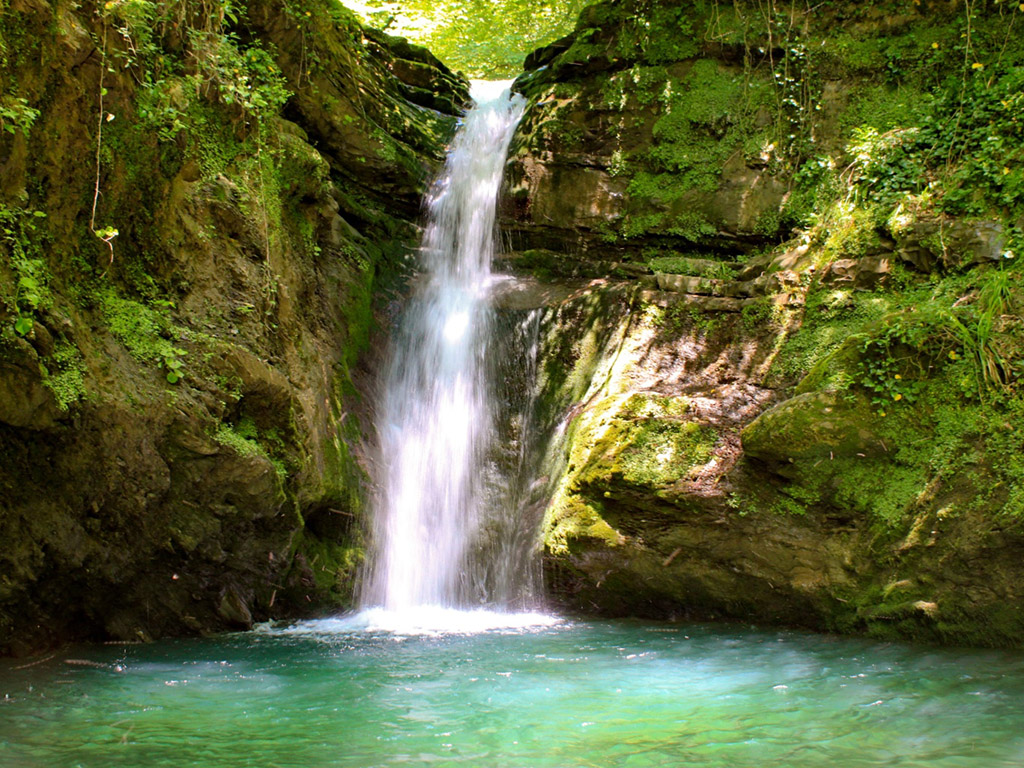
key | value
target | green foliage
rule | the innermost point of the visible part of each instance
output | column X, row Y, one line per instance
column 244, row 438
column 163, row 106
column 146, row 333
column 884, row 107
column 23, row 245
column 976, row 330
column 760, row 314
column 704, row 119
column 661, row 33
column 244, row 76
column 481, row 38
column 16, row 114
column 678, row 318
column 964, row 147
column 674, row 263
column 909, row 347
column 886, row 165
column 707, row 117
column 64, row 374
column 895, row 359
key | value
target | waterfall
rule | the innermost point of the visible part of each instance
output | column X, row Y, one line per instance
column 438, row 522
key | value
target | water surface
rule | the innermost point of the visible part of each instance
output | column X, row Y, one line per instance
column 570, row 694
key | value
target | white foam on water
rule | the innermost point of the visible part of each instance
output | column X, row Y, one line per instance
column 431, row 620
column 485, row 91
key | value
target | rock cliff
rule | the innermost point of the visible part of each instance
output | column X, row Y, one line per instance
column 784, row 384
column 198, row 207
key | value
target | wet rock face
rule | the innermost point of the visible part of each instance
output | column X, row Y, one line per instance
column 180, row 426
column 385, row 129
column 932, row 243
column 638, row 136
column 749, row 420
column 684, row 484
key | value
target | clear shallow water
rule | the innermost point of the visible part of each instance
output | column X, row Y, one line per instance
column 572, row 694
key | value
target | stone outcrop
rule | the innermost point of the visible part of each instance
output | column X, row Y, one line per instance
column 777, row 391
column 180, row 407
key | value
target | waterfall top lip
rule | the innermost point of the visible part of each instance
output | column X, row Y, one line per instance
column 486, row 91
column 422, row 620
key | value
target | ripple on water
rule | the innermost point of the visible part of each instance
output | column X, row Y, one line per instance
column 366, row 690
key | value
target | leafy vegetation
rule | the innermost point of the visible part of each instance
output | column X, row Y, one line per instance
column 244, row 438
column 483, row 39
column 16, row 115
column 23, row 245
column 146, row 333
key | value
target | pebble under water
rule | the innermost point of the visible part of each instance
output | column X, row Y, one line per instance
column 568, row 694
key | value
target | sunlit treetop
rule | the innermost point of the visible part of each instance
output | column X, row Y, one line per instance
column 482, row 38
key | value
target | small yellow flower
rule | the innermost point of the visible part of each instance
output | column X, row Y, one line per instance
column 953, row 355
column 935, row 45
column 1005, row 170
column 897, row 396
column 897, row 376
column 977, row 65
column 881, row 413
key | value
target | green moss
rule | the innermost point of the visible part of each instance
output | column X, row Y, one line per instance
column 643, row 84
column 661, row 35
column 244, row 438
column 190, row 527
column 334, row 567
column 144, row 332
column 786, row 505
column 832, row 316
column 707, row 117
column 931, row 427
column 64, row 374
column 643, row 441
column 681, row 317
column 704, row 119
column 573, row 519
column 884, row 108
column 675, row 263
column 636, row 225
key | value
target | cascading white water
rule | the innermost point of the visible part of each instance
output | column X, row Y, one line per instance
column 436, row 423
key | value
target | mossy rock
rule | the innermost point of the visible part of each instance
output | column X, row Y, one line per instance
column 643, row 441
column 813, row 425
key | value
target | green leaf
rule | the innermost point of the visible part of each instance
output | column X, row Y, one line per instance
column 173, row 377
column 23, row 325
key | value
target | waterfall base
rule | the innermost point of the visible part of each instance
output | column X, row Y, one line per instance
column 423, row 620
